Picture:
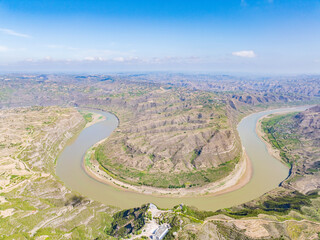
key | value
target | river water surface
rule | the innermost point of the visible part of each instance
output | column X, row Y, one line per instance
column 268, row 172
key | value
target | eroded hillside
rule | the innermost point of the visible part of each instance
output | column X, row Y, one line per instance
column 33, row 203
column 175, row 130
column 292, row 210
column 297, row 138
column 288, row 212
column 184, row 135
column 176, row 124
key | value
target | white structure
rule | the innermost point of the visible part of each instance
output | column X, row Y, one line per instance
column 161, row 232
column 152, row 206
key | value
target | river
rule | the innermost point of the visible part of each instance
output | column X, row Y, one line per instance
column 268, row 172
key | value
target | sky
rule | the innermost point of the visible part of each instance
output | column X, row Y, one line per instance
column 247, row 36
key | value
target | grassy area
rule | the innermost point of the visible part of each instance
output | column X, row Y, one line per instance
column 163, row 180
column 193, row 212
column 87, row 157
column 277, row 129
column 194, row 155
column 272, row 206
column 88, row 117
column 297, row 147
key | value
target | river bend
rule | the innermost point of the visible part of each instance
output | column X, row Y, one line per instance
column 268, row 172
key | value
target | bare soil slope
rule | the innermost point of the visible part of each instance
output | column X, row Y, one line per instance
column 174, row 138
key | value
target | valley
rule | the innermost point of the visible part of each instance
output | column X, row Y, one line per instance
column 170, row 142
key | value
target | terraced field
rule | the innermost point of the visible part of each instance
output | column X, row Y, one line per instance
column 175, row 132
column 33, row 202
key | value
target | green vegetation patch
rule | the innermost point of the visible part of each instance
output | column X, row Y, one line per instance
column 273, row 206
column 17, row 204
column 128, row 221
column 87, row 117
column 278, row 131
column 296, row 148
column 163, row 180
column 193, row 212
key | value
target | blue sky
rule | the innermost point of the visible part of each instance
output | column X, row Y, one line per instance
column 261, row 36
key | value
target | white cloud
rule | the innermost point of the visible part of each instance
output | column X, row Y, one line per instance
column 3, row 49
column 54, row 46
column 29, row 60
column 119, row 59
column 48, row 58
column 91, row 59
column 245, row 54
column 13, row 33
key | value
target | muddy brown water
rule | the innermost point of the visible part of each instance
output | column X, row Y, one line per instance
column 268, row 172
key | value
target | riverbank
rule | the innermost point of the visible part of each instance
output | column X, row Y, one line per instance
column 263, row 136
column 267, row 171
column 238, row 178
column 95, row 119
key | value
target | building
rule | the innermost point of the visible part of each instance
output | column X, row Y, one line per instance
column 160, row 232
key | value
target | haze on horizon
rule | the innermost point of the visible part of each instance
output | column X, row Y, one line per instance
column 265, row 36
